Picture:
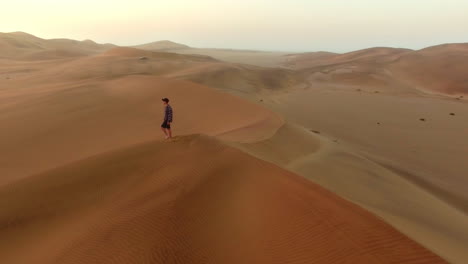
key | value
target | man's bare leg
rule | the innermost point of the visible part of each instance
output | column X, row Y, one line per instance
column 169, row 133
column 164, row 131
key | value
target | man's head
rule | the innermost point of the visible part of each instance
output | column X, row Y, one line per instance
column 165, row 101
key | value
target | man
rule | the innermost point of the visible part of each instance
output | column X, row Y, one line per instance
column 166, row 125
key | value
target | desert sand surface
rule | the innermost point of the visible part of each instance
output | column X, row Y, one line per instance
column 81, row 153
column 139, row 205
column 369, row 165
column 404, row 150
column 56, row 118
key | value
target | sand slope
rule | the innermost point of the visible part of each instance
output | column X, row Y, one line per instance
column 388, row 128
column 441, row 69
column 422, row 213
column 48, row 125
column 139, row 205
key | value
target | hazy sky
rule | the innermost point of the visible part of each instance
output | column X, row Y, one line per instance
column 289, row 25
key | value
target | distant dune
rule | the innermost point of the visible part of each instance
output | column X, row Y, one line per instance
column 442, row 69
column 19, row 45
column 381, row 54
column 308, row 59
column 143, row 55
column 381, row 67
column 122, row 61
column 314, row 59
column 85, row 177
column 258, row 58
column 162, row 45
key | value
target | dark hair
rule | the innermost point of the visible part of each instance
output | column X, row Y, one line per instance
column 166, row 100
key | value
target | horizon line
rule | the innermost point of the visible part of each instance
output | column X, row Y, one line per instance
column 236, row 49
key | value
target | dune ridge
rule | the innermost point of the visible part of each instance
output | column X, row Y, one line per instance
column 101, row 115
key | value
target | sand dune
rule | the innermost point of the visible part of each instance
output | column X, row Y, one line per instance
column 71, row 121
column 354, row 70
column 418, row 211
column 244, row 80
column 440, row 69
column 252, row 57
column 308, row 59
column 139, row 205
column 19, row 45
column 381, row 54
column 314, row 59
column 418, row 147
column 121, row 61
column 349, row 122
column 162, row 45
column 376, row 114
column 118, row 62
column 133, row 52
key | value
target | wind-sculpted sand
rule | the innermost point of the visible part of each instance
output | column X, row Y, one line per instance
column 190, row 200
column 317, row 158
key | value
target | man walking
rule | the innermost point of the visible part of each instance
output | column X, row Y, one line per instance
column 166, row 125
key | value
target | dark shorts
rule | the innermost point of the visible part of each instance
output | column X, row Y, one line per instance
column 166, row 125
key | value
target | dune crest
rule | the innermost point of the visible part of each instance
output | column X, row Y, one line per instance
column 102, row 115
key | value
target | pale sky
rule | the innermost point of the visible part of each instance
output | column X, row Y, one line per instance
column 287, row 25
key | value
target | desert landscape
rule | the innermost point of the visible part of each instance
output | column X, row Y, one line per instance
column 278, row 157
